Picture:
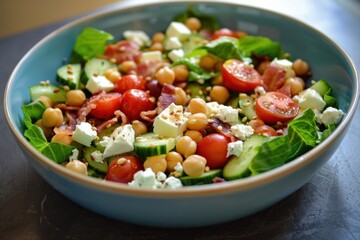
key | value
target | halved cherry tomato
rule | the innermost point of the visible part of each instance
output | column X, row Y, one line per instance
column 265, row 130
column 240, row 77
column 276, row 107
column 129, row 82
column 225, row 32
column 134, row 101
column 123, row 168
column 106, row 105
column 213, row 147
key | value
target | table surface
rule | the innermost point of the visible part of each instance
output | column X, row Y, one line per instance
column 327, row 207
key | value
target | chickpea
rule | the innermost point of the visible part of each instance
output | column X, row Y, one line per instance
column 62, row 138
column 112, row 74
column 296, row 85
column 194, row 165
column 157, row 46
column 300, row 67
column 165, row 75
column 254, row 123
column 194, row 135
column 127, row 66
column 139, row 127
column 77, row 166
column 219, row 94
column 181, row 73
column 180, row 96
column 207, row 62
column 186, row 146
column 197, row 105
column 172, row 159
column 47, row 131
column 52, row 117
column 193, row 24
column 262, row 66
column 156, row 163
column 45, row 100
column 75, row 98
column 217, row 80
column 197, row 121
column 158, row 37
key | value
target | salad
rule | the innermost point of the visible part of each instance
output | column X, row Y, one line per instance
column 194, row 104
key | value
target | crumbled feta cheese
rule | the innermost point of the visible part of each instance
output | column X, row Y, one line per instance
column 172, row 43
column 242, row 131
column 148, row 179
column 74, row 155
column 99, row 83
column 171, row 122
column 235, row 148
column 179, row 30
column 139, row 37
column 84, row 134
column 224, row 113
column 151, row 56
column 309, row 98
column 285, row 65
column 172, row 183
column 97, row 156
column 121, row 141
column 160, row 176
column 178, row 167
column 104, row 141
column 331, row 116
column 176, row 54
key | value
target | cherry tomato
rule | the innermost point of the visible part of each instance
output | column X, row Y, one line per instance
column 106, row 105
column 213, row 147
column 225, row 32
column 135, row 101
column 123, row 168
column 240, row 77
column 265, row 130
column 275, row 107
column 129, row 82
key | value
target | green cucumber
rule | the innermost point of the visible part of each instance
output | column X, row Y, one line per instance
column 322, row 87
column 238, row 167
column 98, row 166
column 150, row 144
column 246, row 104
column 69, row 75
column 96, row 66
column 194, row 41
column 56, row 94
column 205, row 178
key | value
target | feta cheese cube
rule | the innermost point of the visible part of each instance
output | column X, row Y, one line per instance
column 226, row 114
column 99, row 83
column 179, row 30
column 242, row 131
column 121, row 141
column 139, row 37
column 171, row 122
column 84, row 134
column 285, row 65
column 331, row 116
column 172, row 43
column 309, row 98
column 176, row 54
column 235, row 148
column 151, row 56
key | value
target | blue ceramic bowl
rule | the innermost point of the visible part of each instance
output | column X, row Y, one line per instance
column 197, row 205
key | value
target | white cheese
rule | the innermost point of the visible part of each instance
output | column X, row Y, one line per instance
column 179, row 30
column 97, row 156
column 99, row 83
column 172, row 183
column 176, row 54
column 145, row 179
column 84, row 134
column 171, row 122
column 309, row 98
column 121, row 141
column 285, row 65
column 151, row 56
column 331, row 116
column 74, row 155
column 226, row 114
column 235, row 148
column 242, row 131
column 139, row 37
column 172, row 43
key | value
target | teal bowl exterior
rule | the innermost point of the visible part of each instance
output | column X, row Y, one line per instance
column 198, row 205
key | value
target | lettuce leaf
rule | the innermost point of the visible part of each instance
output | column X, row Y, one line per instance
column 196, row 72
column 32, row 112
column 259, row 46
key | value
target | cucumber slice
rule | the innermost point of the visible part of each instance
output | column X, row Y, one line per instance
column 194, row 41
column 205, row 178
column 150, row 144
column 322, row 87
column 69, row 75
column 56, row 94
column 98, row 166
column 246, row 103
column 96, row 66
column 238, row 167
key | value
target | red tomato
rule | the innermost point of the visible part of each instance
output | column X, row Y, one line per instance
column 106, row 105
column 275, row 107
column 135, row 101
column 240, row 77
column 129, row 82
column 123, row 168
column 213, row 147
column 225, row 32
column 265, row 130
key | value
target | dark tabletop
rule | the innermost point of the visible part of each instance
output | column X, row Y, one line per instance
column 327, row 207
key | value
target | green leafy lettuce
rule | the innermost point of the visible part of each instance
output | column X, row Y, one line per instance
column 259, row 46
column 196, row 73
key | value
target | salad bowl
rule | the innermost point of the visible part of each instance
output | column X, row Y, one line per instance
column 192, row 206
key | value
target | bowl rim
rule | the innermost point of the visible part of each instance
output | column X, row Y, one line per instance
column 189, row 191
